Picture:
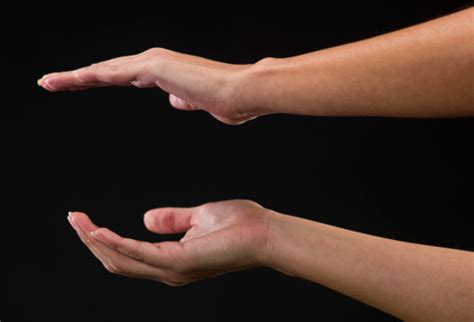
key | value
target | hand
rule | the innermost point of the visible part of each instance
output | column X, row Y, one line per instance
column 193, row 82
column 220, row 237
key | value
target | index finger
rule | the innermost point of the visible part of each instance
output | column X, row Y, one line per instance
column 112, row 260
column 64, row 81
column 118, row 71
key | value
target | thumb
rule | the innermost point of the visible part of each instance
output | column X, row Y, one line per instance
column 169, row 220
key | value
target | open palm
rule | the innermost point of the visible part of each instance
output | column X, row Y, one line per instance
column 220, row 237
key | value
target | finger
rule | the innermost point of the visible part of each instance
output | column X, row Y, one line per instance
column 169, row 220
column 65, row 81
column 180, row 104
column 121, row 59
column 112, row 260
column 99, row 75
column 110, row 61
column 113, row 74
column 159, row 255
column 114, row 61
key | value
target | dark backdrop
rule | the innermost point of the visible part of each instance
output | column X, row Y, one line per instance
column 116, row 152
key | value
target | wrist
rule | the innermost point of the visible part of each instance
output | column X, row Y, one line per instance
column 288, row 239
column 273, row 236
column 252, row 90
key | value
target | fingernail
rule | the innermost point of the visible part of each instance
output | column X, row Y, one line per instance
column 39, row 81
column 45, row 83
column 71, row 221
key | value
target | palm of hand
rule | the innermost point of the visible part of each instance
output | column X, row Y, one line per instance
column 220, row 237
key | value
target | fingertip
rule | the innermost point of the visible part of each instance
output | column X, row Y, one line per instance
column 149, row 220
column 48, row 85
column 44, row 81
column 78, row 214
column 71, row 221
column 70, row 214
column 82, row 222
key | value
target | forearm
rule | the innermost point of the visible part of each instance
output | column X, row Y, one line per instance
column 422, row 71
column 410, row 281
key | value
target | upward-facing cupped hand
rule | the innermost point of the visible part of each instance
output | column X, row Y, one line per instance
column 220, row 237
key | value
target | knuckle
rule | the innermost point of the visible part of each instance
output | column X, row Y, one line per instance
column 107, row 73
column 150, row 50
column 267, row 62
column 205, row 208
column 156, row 51
column 112, row 68
column 248, row 203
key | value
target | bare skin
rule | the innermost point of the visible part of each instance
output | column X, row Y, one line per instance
column 413, row 282
column 422, row 71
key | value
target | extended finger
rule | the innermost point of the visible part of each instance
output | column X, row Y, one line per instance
column 68, row 76
column 162, row 255
column 112, row 260
column 65, row 81
column 97, row 75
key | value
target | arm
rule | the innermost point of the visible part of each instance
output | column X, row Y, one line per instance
column 423, row 71
column 413, row 282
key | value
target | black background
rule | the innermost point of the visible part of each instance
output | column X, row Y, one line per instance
column 116, row 152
